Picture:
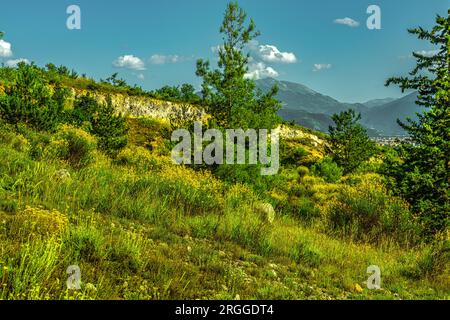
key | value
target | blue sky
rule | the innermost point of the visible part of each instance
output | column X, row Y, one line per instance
column 153, row 43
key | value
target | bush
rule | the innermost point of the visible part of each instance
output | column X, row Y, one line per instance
column 302, row 171
column 104, row 123
column 37, row 222
column 299, row 207
column 30, row 100
column 73, row 145
column 328, row 169
column 249, row 175
column 367, row 213
column 16, row 140
column 291, row 154
column 138, row 157
column 433, row 263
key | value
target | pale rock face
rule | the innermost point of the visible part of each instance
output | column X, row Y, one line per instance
column 135, row 106
column 291, row 133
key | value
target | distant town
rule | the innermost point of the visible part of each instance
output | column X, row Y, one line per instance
column 393, row 140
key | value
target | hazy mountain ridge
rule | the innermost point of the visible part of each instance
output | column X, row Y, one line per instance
column 312, row 109
column 378, row 102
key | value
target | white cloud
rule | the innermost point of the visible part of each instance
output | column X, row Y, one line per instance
column 140, row 76
column 347, row 22
column 321, row 66
column 427, row 53
column 14, row 62
column 266, row 52
column 261, row 56
column 259, row 70
column 129, row 62
column 163, row 59
column 270, row 53
column 5, row 49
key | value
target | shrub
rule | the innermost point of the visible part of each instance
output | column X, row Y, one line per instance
column 433, row 263
column 105, row 124
column 247, row 174
column 138, row 157
column 197, row 192
column 238, row 194
column 367, row 213
column 299, row 207
column 37, row 222
column 292, row 154
column 302, row 171
column 7, row 204
column 16, row 140
column 328, row 169
column 73, row 145
column 30, row 100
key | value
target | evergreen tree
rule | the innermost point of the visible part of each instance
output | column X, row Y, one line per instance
column 422, row 172
column 188, row 93
column 32, row 101
column 103, row 121
column 350, row 145
column 227, row 91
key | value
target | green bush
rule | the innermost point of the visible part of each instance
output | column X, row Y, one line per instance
column 30, row 100
column 138, row 157
column 291, row 155
column 328, row 169
column 367, row 213
column 433, row 263
column 247, row 174
column 73, row 145
column 302, row 171
column 103, row 122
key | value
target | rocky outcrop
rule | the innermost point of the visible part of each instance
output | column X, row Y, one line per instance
column 136, row 106
column 293, row 133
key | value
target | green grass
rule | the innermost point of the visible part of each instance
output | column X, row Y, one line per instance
column 174, row 233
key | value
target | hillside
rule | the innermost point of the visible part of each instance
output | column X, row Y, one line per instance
column 384, row 117
column 140, row 227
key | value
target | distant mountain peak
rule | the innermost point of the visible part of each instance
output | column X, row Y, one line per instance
column 314, row 110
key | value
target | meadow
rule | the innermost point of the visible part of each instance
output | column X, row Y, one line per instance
column 141, row 227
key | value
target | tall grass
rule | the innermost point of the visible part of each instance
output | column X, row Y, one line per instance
column 170, row 232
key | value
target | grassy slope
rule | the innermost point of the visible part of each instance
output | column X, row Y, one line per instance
column 145, row 229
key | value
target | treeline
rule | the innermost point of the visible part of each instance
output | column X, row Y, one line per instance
column 113, row 84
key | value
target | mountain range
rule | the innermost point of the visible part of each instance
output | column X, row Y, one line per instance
column 311, row 109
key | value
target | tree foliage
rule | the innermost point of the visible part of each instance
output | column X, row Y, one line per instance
column 421, row 174
column 30, row 100
column 102, row 120
column 228, row 92
column 350, row 145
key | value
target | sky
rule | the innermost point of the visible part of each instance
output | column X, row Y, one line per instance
column 323, row 44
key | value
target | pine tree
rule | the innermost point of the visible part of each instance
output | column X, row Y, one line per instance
column 30, row 100
column 103, row 121
column 422, row 172
column 228, row 93
column 350, row 145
